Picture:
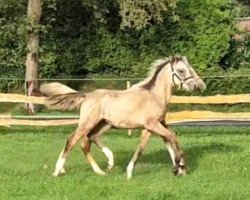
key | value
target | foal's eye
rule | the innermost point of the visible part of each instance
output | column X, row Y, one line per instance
column 181, row 71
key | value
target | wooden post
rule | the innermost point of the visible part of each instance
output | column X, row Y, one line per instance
column 29, row 91
column 31, row 63
column 129, row 130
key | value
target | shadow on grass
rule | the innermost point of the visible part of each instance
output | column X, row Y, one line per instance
column 192, row 155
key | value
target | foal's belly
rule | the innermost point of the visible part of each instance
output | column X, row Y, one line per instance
column 124, row 124
column 125, row 119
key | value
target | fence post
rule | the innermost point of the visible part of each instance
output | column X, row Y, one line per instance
column 29, row 87
column 129, row 130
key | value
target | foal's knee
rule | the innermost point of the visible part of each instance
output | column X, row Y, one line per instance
column 170, row 139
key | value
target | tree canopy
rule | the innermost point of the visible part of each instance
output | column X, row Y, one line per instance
column 82, row 38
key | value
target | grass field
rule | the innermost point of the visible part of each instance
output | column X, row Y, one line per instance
column 218, row 160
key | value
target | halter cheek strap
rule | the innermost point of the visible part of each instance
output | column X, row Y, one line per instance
column 174, row 74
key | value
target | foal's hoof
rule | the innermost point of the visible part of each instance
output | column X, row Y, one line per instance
column 55, row 174
column 100, row 172
column 175, row 170
column 179, row 172
column 182, row 172
column 110, row 167
column 129, row 175
column 62, row 171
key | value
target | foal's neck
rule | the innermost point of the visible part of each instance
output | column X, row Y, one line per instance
column 163, row 86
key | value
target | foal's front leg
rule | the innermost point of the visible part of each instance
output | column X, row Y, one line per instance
column 178, row 161
column 172, row 145
column 145, row 135
column 144, row 138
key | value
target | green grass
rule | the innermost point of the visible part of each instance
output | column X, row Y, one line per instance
column 218, row 160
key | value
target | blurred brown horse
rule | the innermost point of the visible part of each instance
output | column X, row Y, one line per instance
column 143, row 105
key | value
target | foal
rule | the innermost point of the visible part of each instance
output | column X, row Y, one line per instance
column 101, row 109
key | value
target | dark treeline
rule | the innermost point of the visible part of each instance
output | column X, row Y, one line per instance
column 115, row 38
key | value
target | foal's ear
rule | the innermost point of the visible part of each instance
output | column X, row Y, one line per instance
column 174, row 59
column 185, row 59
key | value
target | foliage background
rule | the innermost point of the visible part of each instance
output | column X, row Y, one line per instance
column 83, row 38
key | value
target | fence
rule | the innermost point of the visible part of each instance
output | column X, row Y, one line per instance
column 214, row 85
column 171, row 118
column 230, row 84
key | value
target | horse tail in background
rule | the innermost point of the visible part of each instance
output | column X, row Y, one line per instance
column 67, row 101
column 61, row 97
column 54, row 88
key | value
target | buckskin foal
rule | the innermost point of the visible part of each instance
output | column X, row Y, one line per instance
column 141, row 106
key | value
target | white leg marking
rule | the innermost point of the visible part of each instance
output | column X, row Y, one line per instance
column 109, row 154
column 171, row 152
column 182, row 171
column 181, row 162
column 130, row 170
column 59, row 164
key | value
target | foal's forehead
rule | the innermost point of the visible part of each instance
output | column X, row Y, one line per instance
column 180, row 61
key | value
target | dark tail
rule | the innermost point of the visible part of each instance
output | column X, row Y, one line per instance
column 67, row 101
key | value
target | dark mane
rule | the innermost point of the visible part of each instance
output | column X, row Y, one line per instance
column 159, row 67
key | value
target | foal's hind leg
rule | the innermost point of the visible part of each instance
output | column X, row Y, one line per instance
column 63, row 171
column 86, row 123
column 95, row 136
column 107, row 152
column 145, row 135
column 72, row 140
column 85, row 145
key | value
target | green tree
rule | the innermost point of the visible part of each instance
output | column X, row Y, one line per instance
column 139, row 14
column 82, row 38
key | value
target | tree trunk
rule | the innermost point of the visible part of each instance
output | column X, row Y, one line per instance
column 32, row 65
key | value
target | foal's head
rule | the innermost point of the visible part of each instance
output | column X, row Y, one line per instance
column 183, row 75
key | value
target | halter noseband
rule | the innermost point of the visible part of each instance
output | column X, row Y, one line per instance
column 174, row 74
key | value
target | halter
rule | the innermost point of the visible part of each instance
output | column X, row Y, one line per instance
column 174, row 74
